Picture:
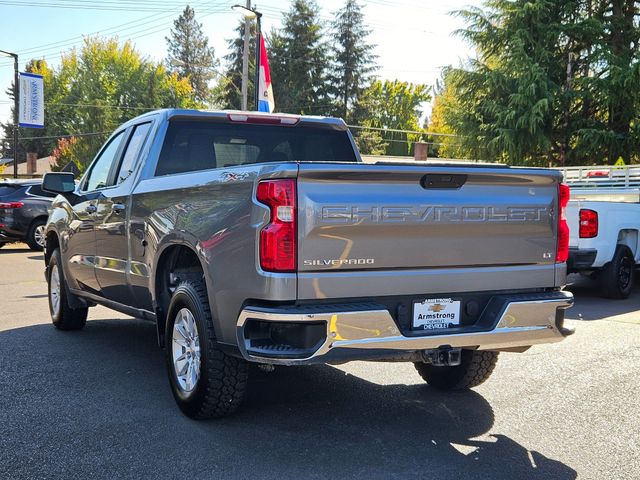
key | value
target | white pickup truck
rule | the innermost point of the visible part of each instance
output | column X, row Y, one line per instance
column 604, row 220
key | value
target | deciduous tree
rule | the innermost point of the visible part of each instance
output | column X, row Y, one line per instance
column 392, row 105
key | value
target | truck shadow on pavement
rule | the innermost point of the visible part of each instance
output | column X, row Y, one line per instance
column 97, row 403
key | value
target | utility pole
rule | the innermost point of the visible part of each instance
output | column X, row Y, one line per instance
column 16, row 105
column 245, row 60
column 249, row 14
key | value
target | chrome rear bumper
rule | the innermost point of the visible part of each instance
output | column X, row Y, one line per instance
column 521, row 321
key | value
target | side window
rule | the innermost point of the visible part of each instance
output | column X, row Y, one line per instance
column 133, row 149
column 37, row 190
column 99, row 174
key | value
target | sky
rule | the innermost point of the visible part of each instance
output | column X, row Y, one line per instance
column 414, row 39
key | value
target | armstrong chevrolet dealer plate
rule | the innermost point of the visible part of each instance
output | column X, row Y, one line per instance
column 435, row 313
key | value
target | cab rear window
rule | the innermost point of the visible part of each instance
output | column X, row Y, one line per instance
column 196, row 145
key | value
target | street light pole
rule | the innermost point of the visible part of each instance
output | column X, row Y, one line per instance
column 250, row 14
column 245, row 60
column 16, row 105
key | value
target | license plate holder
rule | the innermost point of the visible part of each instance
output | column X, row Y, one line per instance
column 436, row 314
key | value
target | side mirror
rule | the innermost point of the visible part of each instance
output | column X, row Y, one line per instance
column 59, row 182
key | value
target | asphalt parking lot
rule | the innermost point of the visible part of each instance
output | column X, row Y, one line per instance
column 96, row 404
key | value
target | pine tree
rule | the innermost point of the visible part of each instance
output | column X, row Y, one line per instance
column 553, row 82
column 301, row 62
column 230, row 91
column 190, row 55
column 353, row 58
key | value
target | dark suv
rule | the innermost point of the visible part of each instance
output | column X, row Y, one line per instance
column 23, row 212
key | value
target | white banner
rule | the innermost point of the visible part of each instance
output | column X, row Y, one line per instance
column 31, row 111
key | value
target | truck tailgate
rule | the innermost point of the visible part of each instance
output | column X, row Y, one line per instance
column 381, row 216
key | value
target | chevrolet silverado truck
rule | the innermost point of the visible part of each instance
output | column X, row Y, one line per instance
column 261, row 238
column 604, row 221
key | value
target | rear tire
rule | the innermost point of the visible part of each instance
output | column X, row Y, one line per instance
column 36, row 235
column 475, row 368
column 616, row 279
column 205, row 381
column 62, row 315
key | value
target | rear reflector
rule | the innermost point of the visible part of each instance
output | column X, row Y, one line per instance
column 588, row 223
column 278, row 239
column 562, row 251
column 4, row 205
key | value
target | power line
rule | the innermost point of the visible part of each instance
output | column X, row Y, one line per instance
column 148, row 23
column 66, row 136
column 123, row 5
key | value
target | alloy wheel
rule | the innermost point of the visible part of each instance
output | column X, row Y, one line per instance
column 54, row 289
column 185, row 344
column 39, row 235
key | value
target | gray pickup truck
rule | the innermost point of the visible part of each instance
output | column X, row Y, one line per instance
column 257, row 238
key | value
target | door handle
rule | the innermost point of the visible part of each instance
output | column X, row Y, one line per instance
column 91, row 209
column 118, row 207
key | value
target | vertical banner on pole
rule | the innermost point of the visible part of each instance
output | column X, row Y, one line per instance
column 31, row 111
column 266, row 102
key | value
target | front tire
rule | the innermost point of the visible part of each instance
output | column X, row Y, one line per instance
column 616, row 279
column 62, row 315
column 205, row 381
column 475, row 368
column 36, row 235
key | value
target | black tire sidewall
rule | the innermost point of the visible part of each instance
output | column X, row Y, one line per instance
column 623, row 252
column 67, row 318
column 185, row 296
column 31, row 241
column 55, row 261
column 608, row 278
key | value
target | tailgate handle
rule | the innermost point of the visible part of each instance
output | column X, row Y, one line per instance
column 443, row 180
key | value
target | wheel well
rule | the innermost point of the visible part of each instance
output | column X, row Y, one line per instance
column 52, row 243
column 41, row 217
column 175, row 263
column 629, row 238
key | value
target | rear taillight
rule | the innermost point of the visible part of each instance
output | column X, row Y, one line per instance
column 562, row 251
column 588, row 223
column 9, row 205
column 278, row 243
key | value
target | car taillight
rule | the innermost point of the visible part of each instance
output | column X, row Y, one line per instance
column 9, row 205
column 562, row 251
column 588, row 223
column 278, row 242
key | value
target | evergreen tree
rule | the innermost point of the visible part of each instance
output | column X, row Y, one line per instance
column 612, row 81
column 553, row 81
column 230, row 87
column 301, row 62
column 190, row 55
column 353, row 58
